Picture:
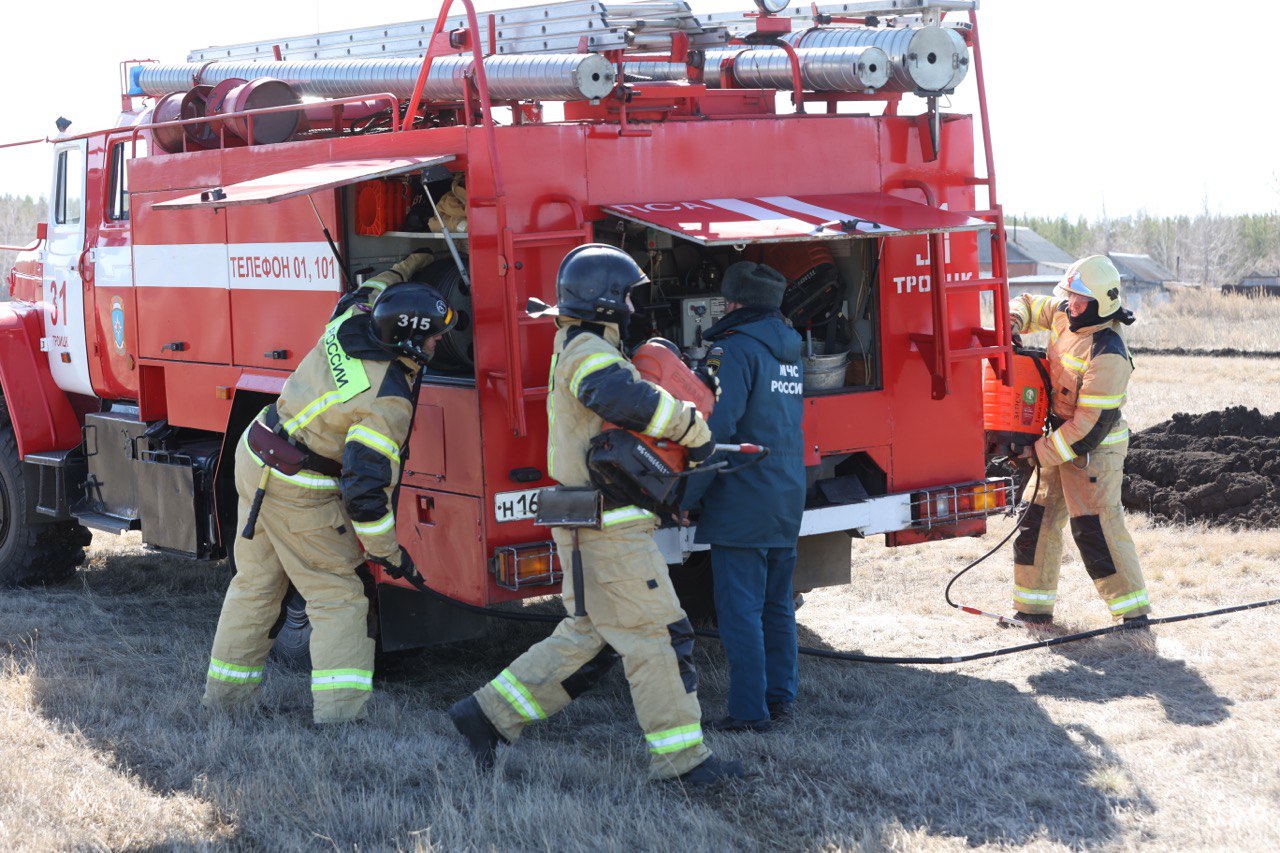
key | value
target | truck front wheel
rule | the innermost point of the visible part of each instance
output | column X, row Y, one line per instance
column 31, row 553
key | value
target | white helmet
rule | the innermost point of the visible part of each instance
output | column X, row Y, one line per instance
column 1094, row 277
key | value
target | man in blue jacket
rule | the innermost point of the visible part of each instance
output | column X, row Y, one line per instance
column 751, row 517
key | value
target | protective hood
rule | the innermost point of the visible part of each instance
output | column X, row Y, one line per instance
column 766, row 325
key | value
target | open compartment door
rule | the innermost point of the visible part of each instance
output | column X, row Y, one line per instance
column 304, row 180
column 794, row 219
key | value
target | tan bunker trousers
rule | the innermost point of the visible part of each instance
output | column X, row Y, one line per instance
column 1090, row 496
column 631, row 606
column 302, row 536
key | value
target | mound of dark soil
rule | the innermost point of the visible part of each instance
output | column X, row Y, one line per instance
column 1221, row 467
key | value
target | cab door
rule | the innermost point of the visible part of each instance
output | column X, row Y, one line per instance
column 62, row 299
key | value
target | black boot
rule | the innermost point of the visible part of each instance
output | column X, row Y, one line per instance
column 780, row 712
column 1033, row 621
column 711, row 772
column 1137, row 623
column 482, row 737
column 733, row 724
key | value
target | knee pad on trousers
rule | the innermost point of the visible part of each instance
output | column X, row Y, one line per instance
column 682, row 642
column 590, row 673
column 1024, row 547
column 1092, row 542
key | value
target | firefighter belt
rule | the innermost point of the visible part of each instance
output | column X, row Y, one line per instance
column 303, row 537
column 633, row 609
column 1090, row 497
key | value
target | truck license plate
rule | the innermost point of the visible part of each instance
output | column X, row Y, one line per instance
column 514, row 506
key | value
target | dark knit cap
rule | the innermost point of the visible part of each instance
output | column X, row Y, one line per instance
column 749, row 283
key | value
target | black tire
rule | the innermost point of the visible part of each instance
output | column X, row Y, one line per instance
column 31, row 554
column 694, row 588
column 292, row 648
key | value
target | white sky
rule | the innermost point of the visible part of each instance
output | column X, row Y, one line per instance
column 1094, row 102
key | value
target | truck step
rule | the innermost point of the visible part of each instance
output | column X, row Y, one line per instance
column 107, row 523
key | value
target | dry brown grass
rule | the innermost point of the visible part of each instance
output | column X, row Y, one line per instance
column 1209, row 319
column 1109, row 745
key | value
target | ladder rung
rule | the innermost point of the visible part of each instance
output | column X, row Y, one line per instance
column 974, row 353
column 980, row 285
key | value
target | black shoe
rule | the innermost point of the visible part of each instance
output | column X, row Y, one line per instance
column 1137, row 623
column 482, row 737
column 1033, row 621
column 711, row 772
column 733, row 724
column 780, row 712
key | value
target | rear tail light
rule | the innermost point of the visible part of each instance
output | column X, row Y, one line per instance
column 519, row 566
column 949, row 504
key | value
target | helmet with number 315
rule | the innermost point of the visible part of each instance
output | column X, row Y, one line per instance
column 406, row 315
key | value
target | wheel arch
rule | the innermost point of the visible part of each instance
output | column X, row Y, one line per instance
column 42, row 415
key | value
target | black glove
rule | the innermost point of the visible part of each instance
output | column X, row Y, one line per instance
column 701, row 453
column 399, row 566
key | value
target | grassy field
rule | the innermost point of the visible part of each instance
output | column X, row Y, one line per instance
column 1112, row 744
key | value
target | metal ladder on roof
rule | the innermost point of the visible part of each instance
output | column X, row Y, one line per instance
column 994, row 345
column 565, row 27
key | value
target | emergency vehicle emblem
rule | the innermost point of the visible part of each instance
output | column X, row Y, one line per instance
column 117, row 322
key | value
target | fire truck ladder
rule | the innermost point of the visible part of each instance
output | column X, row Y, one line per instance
column 995, row 345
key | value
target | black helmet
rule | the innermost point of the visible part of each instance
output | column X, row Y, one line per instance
column 406, row 315
column 593, row 281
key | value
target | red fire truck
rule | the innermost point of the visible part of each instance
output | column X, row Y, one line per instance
column 194, row 251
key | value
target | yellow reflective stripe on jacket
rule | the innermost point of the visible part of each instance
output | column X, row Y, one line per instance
column 375, row 440
column 624, row 514
column 1073, row 364
column 1128, row 602
column 551, row 416
column 234, row 673
column 518, row 696
column 1100, row 401
column 1116, row 436
column 341, row 679
column 674, row 740
column 662, row 415
column 304, row 481
column 375, row 528
column 1060, row 445
column 312, row 411
column 590, row 365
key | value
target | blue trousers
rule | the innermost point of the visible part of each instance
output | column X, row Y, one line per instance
column 757, row 617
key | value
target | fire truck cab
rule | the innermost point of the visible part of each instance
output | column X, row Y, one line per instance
column 194, row 252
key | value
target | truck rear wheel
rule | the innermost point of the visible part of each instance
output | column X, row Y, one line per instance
column 31, row 554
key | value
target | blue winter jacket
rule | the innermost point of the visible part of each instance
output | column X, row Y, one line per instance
column 761, row 377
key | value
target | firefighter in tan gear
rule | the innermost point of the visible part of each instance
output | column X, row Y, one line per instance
column 343, row 417
column 1081, row 460
column 631, row 605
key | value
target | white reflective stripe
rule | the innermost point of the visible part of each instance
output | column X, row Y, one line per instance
column 824, row 214
column 311, row 412
column 1100, row 401
column 1137, row 599
column 690, row 737
column 1021, row 594
column 373, row 528
column 661, row 415
column 590, row 365
column 375, row 440
column 515, row 694
column 755, row 211
column 1060, row 444
column 1117, row 436
column 1073, row 364
column 621, row 515
column 341, row 679
column 255, row 674
column 376, row 285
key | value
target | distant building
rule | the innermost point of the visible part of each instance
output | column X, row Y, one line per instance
column 1029, row 254
column 1255, row 285
column 1144, row 279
